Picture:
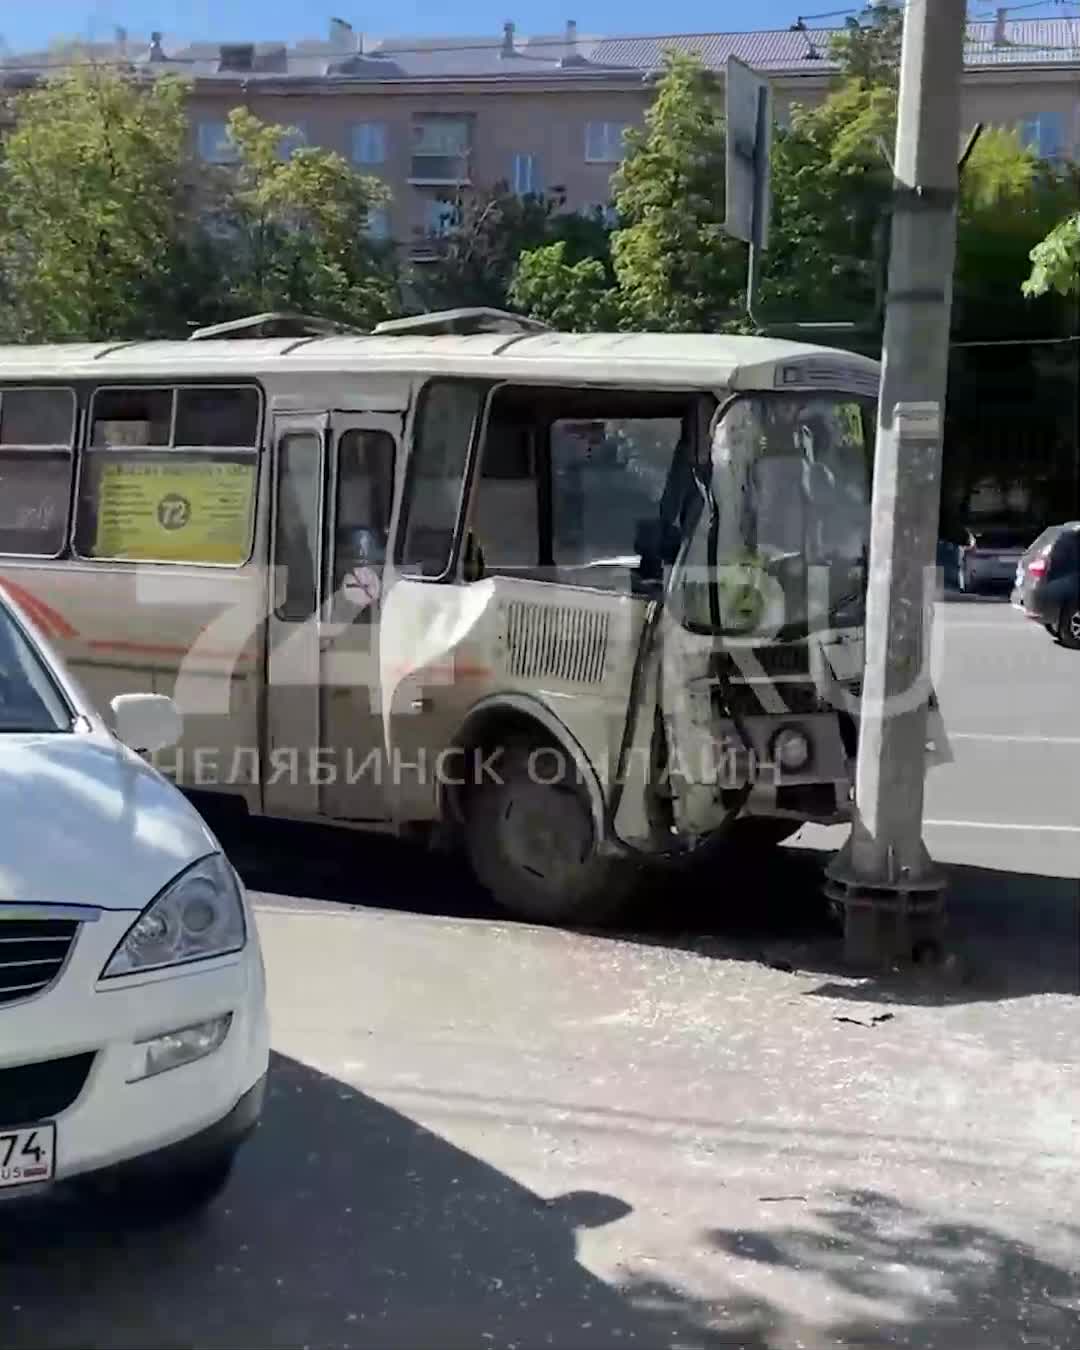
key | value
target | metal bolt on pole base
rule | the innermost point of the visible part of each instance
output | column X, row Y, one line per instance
column 886, row 926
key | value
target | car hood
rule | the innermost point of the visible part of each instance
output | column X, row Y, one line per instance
column 85, row 821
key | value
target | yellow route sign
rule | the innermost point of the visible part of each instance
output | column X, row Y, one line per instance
column 191, row 511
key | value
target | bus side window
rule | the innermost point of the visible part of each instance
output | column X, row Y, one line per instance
column 296, row 533
column 37, row 427
column 505, row 517
column 442, row 435
column 365, row 495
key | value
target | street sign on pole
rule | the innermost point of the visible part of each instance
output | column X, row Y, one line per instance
column 748, row 113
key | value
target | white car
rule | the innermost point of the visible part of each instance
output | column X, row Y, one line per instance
column 133, row 1026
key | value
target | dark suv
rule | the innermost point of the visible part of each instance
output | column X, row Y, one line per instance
column 1048, row 582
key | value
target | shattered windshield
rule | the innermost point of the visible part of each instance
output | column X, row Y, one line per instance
column 784, row 542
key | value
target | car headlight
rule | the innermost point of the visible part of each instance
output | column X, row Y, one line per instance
column 197, row 916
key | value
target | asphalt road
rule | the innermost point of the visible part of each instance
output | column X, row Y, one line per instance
column 1010, row 696
column 698, row 1132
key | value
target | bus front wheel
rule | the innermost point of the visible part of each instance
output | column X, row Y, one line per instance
column 532, row 842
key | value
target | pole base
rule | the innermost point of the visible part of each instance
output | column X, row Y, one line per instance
column 889, row 925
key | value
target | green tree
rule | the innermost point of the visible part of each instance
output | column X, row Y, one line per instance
column 870, row 50
column 291, row 230
column 676, row 268
column 831, row 185
column 1055, row 260
column 1009, row 200
column 477, row 258
column 576, row 297
column 94, row 204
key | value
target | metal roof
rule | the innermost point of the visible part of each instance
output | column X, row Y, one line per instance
column 673, row 360
column 1026, row 42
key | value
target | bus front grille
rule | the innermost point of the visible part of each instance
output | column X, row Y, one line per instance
column 559, row 642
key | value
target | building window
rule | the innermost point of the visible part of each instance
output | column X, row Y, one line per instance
column 216, row 146
column 378, row 223
column 1045, row 134
column 603, row 213
column 369, row 143
column 526, row 175
column 441, row 217
column 295, row 138
column 440, row 152
column 604, row 142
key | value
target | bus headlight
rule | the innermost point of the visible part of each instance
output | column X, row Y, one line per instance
column 790, row 749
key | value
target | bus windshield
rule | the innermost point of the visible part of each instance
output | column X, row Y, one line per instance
column 782, row 546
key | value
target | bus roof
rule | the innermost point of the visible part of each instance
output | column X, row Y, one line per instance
column 689, row 360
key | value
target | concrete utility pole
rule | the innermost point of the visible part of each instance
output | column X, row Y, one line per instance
column 892, row 895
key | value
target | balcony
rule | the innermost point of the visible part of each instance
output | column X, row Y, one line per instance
column 429, row 245
column 441, row 152
column 439, row 170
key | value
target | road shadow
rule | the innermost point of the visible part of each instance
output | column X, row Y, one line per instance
column 345, row 1224
column 998, row 595
column 321, row 862
column 909, row 1280
column 1010, row 934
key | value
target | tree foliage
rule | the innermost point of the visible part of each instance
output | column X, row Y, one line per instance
column 477, row 258
column 94, row 199
column 831, row 184
column 574, row 296
column 1055, row 260
column 108, row 230
column 676, row 268
column 870, row 51
column 292, row 232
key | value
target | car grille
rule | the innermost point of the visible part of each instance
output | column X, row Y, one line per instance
column 32, row 954
column 33, row 1092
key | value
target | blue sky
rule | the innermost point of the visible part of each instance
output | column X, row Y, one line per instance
column 26, row 26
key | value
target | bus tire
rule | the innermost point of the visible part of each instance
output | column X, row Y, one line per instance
column 532, row 841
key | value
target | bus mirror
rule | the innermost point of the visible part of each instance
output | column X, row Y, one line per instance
column 656, row 542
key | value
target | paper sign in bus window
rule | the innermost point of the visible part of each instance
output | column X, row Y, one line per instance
column 188, row 512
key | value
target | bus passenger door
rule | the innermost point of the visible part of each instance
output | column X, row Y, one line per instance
column 293, row 733
column 353, row 779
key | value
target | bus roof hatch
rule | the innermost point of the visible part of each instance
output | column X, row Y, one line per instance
column 278, row 323
column 461, row 321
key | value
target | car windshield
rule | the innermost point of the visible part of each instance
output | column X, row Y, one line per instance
column 790, row 519
column 29, row 698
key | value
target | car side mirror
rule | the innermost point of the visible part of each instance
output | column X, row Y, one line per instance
column 146, row 722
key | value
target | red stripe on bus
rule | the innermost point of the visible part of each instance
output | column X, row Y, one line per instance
column 54, row 623
column 156, row 649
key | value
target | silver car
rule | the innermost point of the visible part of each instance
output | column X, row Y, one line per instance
column 990, row 555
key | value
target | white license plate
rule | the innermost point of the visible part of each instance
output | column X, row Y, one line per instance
column 27, row 1157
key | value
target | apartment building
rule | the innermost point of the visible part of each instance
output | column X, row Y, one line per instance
column 436, row 118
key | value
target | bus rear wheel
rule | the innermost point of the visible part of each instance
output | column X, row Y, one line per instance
column 533, row 845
